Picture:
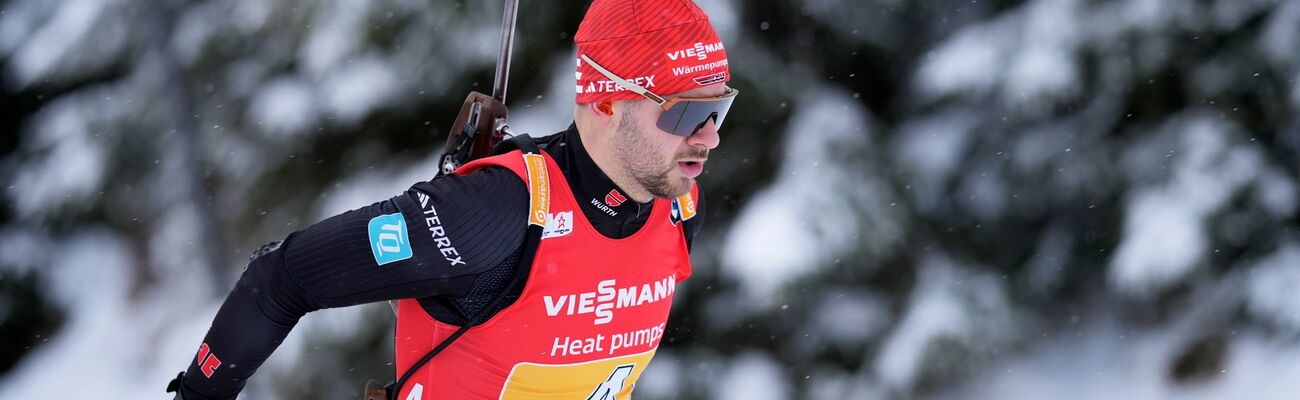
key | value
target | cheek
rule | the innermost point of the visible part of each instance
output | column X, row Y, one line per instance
column 649, row 147
column 644, row 139
column 657, row 147
column 649, row 156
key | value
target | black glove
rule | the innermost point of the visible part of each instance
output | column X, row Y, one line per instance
column 175, row 386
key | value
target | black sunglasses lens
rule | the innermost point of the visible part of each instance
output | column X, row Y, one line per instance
column 671, row 118
column 684, row 118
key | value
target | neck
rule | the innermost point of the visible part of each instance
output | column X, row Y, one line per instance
column 599, row 147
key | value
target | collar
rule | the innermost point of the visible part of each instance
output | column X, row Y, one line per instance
column 605, row 205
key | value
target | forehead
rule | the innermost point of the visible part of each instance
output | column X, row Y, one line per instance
column 713, row 90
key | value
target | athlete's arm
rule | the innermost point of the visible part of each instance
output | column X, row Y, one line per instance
column 433, row 240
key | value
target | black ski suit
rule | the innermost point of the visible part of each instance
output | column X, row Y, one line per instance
column 331, row 263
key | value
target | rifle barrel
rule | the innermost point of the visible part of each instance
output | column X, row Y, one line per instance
column 507, row 44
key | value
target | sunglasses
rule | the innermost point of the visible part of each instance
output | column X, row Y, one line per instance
column 682, row 116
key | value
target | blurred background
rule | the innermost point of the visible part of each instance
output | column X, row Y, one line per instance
column 941, row 199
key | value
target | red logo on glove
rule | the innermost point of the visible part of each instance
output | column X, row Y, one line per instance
column 207, row 361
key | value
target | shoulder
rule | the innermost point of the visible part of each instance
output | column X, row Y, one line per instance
column 483, row 214
column 492, row 188
column 488, row 180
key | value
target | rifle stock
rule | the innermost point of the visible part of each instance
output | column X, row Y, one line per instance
column 475, row 131
column 375, row 391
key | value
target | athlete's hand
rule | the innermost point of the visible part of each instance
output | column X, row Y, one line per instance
column 175, row 386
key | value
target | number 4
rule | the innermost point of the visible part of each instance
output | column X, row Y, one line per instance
column 609, row 389
column 416, row 393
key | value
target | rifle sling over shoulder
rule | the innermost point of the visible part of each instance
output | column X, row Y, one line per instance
column 532, row 237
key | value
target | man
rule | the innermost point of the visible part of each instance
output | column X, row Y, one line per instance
column 579, row 314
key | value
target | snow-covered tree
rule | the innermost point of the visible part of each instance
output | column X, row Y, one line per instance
column 1001, row 199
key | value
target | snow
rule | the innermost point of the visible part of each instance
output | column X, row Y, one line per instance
column 1038, row 148
column 949, row 303
column 1164, row 240
column 1044, row 70
column 203, row 25
column 1257, row 368
column 857, row 22
column 19, row 19
column 829, row 383
column 478, row 46
column 90, row 32
column 1188, row 182
column 176, row 243
column 1104, row 362
column 1213, row 79
column 285, row 107
column 243, row 159
column 1230, row 15
column 1295, row 93
column 971, row 61
column 138, row 341
column 93, row 266
column 21, row 251
column 1279, row 40
column 1147, row 15
column 249, row 16
column 245, row 80
column 1040, row 72
column 195, row 27
column 825, row 139
column 134, row 338
column 752, row 376
column 1273, row 286
column 1164, row 226
column 984, row 192
column 1276, row 193
column 70, row 165
column 551, row 113
column 333, row 36
column 303, row 342
column 662, row 378
column 1055, row 23
column 359, row 88
column 368, row 186
column 931, row 149
column 762, row 261
column 723, row 16
column 1047, row 267
column 1027, row 54
column 847, row 318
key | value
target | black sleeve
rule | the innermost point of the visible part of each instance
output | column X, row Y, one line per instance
column 433, row 240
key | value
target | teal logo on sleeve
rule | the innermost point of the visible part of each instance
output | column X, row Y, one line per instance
column 388, row 240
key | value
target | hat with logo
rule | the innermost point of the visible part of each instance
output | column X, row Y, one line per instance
column 666, row 46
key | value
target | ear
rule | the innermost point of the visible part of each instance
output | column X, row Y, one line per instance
column 603, row 108
column 599, row 113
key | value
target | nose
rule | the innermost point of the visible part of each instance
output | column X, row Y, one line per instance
column 707, row 136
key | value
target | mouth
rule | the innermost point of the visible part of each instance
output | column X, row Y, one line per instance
column 691, row 168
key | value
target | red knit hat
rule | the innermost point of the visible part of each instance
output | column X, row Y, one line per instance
column 666, row 46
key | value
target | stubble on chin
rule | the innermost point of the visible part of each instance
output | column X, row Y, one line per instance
column 644, row 167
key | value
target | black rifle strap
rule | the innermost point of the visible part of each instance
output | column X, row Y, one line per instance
column 523, row 142
column 688, row 231
column 532, row 238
